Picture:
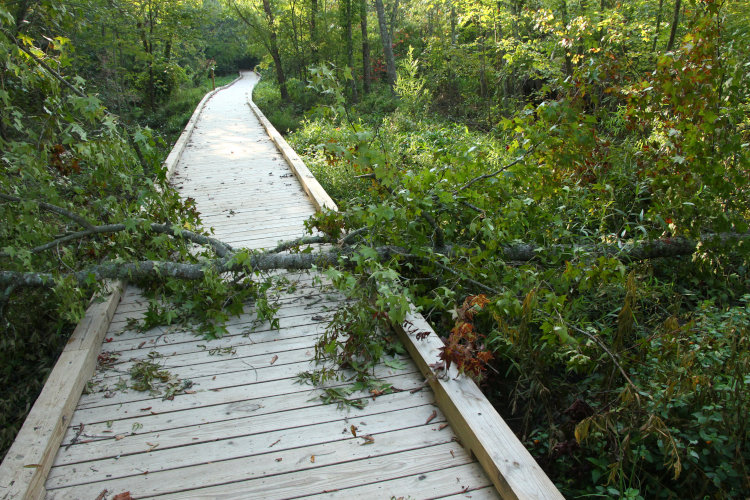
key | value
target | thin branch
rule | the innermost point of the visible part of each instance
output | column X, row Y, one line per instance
column 460, row 276
column 346, row 240
column 473, row 207
column 43, row 64
column 305, row 240
column 52, row 208
column 221, row 248
column 495, row 173
column 611, row 355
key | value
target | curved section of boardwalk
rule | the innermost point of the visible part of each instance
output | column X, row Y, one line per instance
column 245, row 428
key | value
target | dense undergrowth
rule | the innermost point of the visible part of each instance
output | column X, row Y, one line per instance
column 624, row 373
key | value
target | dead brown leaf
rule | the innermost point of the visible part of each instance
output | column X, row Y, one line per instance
column 442, row 426
column 119, row 436
column 368, row 439
column 376, row 392
column 122, row 496
column 312, row 459
column 354, row 430
column 274, row 359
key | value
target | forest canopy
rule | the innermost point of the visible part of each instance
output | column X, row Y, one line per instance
column 561, row 187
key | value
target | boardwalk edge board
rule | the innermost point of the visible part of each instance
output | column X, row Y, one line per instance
column 29, row 459
column 509, row 465
column 310, row 184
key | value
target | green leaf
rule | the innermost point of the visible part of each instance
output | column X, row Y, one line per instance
column 395, row 364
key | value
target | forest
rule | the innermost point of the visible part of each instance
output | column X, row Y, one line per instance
column 561, row 187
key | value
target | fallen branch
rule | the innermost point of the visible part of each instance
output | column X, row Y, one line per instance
column 221, row 248
column 51, row 208
column 305, row 240
column 642, row 250
column 267, row 261
column 346, row 240
column 149, row 269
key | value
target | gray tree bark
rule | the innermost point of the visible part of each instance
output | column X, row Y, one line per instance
column 385, row 38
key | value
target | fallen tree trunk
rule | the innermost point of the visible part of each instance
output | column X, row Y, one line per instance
column 230, row 263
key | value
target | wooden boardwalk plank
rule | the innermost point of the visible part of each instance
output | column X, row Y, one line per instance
column 249, row 404
column 174, row 450
column 296, row 409
column 460, row 480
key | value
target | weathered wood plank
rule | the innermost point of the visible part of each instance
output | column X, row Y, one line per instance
column 30, row 457
column 309, row 183
column 253, row 405
column 226, row 388
column 236, row 332
column 509, row 465
column 455, row 481
column 237, row 442
column 305, row 470
column 285, row 413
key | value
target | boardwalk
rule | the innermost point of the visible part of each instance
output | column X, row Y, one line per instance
column 245, row 428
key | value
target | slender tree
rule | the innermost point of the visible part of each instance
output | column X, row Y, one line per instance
column 366, row 74
column 314, row 30
column 347, row 14
column 675, row 22
column 658, row 25
column 385, row 38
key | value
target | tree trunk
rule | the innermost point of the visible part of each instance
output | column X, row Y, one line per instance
column 313, row 30
column 385, row 38
column 568, row 60
column 299, row 65
column 22, row 8
column 275, row 51
column 658, row 25
column 453, row 24
column 365, row 47
column 394, row 12
column 168, row 49
column 347, row 6
column 675, row 22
